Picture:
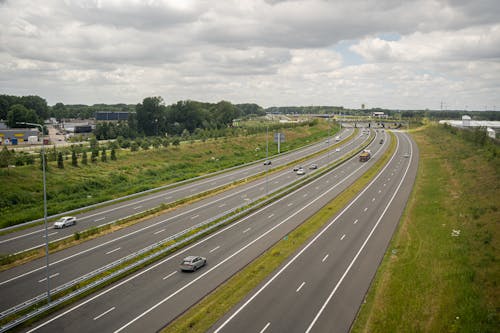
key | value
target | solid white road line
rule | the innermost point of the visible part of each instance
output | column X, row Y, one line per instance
column 300, row 287
column 117, row 249
column 169, row 275
column 189, row 248
column 104, row 313
column 257, row 293
column 360, row 249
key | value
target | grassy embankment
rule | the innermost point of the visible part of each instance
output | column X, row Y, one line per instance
column 204, row 314
column 73, row 187
column 441, row 272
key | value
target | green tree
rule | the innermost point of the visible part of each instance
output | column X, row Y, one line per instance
column 84, row 158
column 134, row 146
column 74, row 159
column 113, row 154
column 150, row 114
column 5, row 157
column 185, row 135
column 60, row 161
column 104, row 156
column 59, row 111
column 94, row 155
column 145, row 144
column 94, row 144
column 37, row 104
column 19, row 113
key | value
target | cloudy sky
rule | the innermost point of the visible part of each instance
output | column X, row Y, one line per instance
column 394, row 54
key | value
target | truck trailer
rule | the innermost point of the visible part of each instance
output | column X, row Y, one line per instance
column 365, row 155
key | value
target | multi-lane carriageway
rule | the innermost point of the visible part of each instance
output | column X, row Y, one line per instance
column 320, row 288
column 27, row 281
column 34, row 237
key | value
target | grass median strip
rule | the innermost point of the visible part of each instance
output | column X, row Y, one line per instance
column 204, row 314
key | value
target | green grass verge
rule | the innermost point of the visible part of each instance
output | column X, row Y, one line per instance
column 74, row 187
column 204, row 314
column 441, row 272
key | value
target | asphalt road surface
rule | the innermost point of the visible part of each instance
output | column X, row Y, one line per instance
column 147, row 300
column 35, row 237
column 29, row 280
column 321, row 288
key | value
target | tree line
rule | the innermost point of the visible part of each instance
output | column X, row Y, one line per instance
column 149, row 118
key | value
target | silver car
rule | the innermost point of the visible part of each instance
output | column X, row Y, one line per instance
column 64, row 222
column 192, row 263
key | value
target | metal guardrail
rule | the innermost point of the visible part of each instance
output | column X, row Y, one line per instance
column 105, row 268
column 160, row 188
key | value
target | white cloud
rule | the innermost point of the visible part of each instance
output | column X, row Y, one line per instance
column 464, row 44
column 270, row 52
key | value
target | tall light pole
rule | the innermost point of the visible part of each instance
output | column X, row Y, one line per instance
column 267, row 157
column 44, row 208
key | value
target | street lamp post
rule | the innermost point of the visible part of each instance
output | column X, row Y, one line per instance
column 267, row 157
column 44, row 208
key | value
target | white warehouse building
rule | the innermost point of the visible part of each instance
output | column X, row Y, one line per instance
column 492, row 127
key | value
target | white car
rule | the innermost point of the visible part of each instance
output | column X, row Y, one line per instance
column 64, row 222
column 301, row 172
column 192, row 263
column 313, row 166
column 337, row 149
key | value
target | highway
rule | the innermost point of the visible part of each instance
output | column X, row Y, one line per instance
column 29, row 280
column 34, row 237
column 150, row 298
column 321, row 288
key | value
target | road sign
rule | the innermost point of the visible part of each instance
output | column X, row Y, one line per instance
column 279, row 137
